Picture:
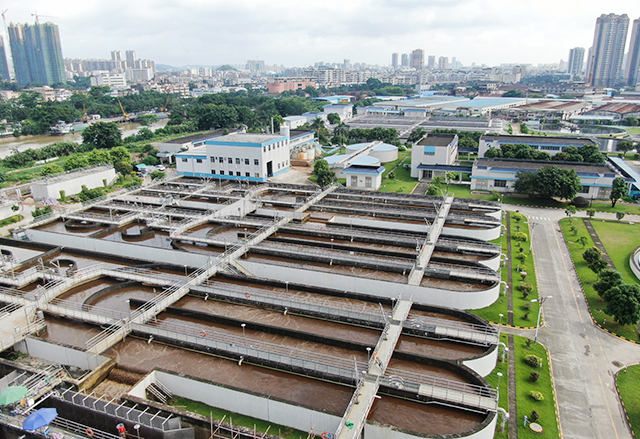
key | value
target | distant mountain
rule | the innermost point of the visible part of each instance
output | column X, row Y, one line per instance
column 161, row 67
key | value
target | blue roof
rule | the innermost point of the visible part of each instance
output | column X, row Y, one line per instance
column 357, row 146
column 335, row 158
column 364, row 160
column 624, row 167
column 363, row 170
column 490, row 102
column 588, row 174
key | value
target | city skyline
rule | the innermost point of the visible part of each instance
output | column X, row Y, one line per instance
column 176, row 33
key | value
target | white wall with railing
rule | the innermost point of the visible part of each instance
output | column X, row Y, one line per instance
column 60, row 354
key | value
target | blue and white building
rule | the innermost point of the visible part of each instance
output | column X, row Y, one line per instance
column 550, row 144
column 237, row 156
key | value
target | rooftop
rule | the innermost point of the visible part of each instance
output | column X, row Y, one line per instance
column 437, row 140
column 196, row 137
column 533, row 165
column 247, row 138
column 547, row 140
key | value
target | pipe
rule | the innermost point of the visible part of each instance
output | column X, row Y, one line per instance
column 505, row 418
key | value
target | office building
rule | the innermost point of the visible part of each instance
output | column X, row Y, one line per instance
column 255, row 65
column 605, row 61
column 631, row 75
column 37, row 53
column 443, row 62
column 4, row 64
column 405, row 60
column 131, row 59
column 576, row 60
column 417, row 59
column 431, row 64
column 394, row 60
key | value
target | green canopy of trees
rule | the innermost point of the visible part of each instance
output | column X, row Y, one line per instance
column 548, row 182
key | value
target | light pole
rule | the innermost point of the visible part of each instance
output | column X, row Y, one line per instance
column 499, row 378
column 286, row 283
column 500, row 325
column 243, row 325
column 541, row 301
column 368, row 355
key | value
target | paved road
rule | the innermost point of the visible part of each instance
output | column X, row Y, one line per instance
column 582, row 355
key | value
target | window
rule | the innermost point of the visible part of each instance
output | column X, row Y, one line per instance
column 429, row 153
column 230, row 160
column 584, row 190
column 256, row 162
column 257, row 175
column 354, row 180
column 247, row 174
column 221, row 172
column 213, row 159
column 264, row 149
column 500, row 183
column 213, row 171
column 237, row 161
column 269, row 147
column 278, row 165
column 427, row 174
column 367, row 182
column 198, row 160
column 221, row 159
column 246, row 161
column 185, row 160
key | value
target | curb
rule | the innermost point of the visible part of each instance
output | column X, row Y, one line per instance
column 584, row 296
column 624, row 407
column 555, row 394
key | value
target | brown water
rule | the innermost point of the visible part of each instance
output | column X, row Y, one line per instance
column 69, row 332
column 159, row 239
column 8, row 144
column 58, row 227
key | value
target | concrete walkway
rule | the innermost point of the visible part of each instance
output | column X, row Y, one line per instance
column 584, row 358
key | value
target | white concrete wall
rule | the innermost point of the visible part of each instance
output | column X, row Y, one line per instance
column 483, row 365
column 136, row 251
column 250, row 405
column 381, row 432
column 379, row 288
column 634, row 262
column 376, row 181
column 91, row 178
column 60, row 354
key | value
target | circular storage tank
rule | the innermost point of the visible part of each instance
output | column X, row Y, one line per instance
column 355, row 147
column 385, row 152
column 311, row 154
column 365, row 160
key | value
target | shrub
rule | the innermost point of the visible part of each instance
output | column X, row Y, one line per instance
column 580, row 202
column 526, row 305
column 534, row 376
column 517, row 216
column 525, row 287
column 520, row 236
column 391, row 176
column 533, row 360
column 535, row 395
column 526, row 316
column 534, row 416
column 522, row 257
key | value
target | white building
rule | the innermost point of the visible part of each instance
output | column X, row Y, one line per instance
column 434, row 155
column 550, row 144
column 344, row 111
column 294, row 122
column 139, row 75
column 115, row 81
column 237, row 156
column 72, row 182
column 500, row 175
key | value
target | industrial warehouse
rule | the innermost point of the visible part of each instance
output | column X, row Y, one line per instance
column 333, row 311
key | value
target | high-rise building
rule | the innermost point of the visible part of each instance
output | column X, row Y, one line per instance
column 394, row 60
column 405, row 60
column 255, row 65
column 443, row 63
column 131, row 59
column 116, row 55
column 631, row 74
column 431, row 64
column 417, row 59
column 37, row 53
column 604, row 67
column 4, row 65
column 576, row 61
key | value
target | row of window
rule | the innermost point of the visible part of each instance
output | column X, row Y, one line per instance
column 237, row 173
column 367, row 181
column 275, row 145
column 239, row 161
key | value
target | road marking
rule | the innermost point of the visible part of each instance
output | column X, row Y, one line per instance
column 608, row 408
column 566, row 268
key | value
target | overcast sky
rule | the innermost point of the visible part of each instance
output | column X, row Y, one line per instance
column 302, row 32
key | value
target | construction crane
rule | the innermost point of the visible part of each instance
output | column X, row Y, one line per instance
column 126, row 115
column 84, row 117
column 38, row 17
column 164, row 107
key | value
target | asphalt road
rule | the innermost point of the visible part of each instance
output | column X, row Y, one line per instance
column 584, row 358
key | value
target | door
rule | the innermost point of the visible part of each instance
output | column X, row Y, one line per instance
column 269, row 169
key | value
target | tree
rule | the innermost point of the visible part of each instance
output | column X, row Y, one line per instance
column 148, row 119
column 594, row 260
column 618, row 190
column 591, row 212
column 333, row 118
column 51, row 170
column 623, row 303
column 548, row 182
column 625, row 146
column 608, row 279
column 325, row 175
column 570, row 210
column 583, row 241
column 416, row 135
column 157, row 175
column 121, row 159
column 102, row 135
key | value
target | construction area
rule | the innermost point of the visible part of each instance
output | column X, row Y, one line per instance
column 330, row 311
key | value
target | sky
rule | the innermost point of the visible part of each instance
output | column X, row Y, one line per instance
column 302, row 32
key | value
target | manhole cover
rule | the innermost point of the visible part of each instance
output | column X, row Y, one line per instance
column 617, row 363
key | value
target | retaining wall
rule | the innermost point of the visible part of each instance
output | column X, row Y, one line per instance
column 634, row 262
column 60, row 354
column 372, row 287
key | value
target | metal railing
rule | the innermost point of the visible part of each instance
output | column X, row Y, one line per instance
column 80, row 430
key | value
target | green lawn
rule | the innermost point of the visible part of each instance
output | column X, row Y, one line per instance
column 588, row 277
column 524, row 402
column 628, row 381
column 545, row 408
column 524, row 311
column 236, row 419
column 632, row 130
column 403, row 182
column 620, row 239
